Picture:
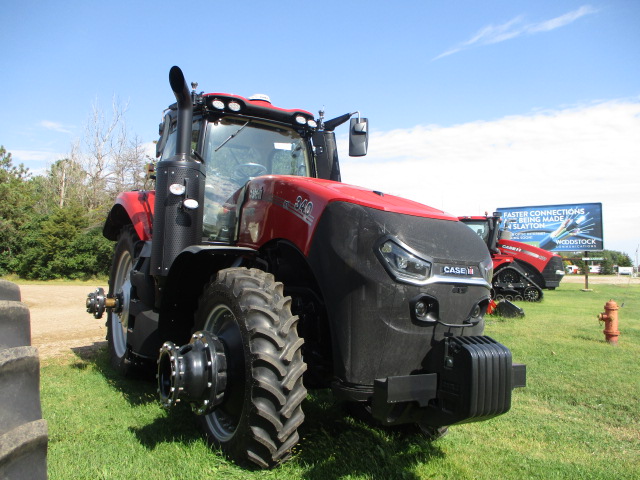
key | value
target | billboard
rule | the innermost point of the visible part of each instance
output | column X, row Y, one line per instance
column 557, row 228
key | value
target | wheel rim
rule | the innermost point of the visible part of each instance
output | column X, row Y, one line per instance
column 531, row 294
column 122, row 289
column 224, row 420
column 509, row 277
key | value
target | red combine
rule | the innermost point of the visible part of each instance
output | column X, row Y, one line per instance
column 520, row 271
column 252, row 274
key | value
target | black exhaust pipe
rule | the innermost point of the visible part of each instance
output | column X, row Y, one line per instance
column 185, row 110
column 177, row 223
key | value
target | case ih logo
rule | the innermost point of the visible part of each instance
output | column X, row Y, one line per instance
column 458, row 270
column 256, row 193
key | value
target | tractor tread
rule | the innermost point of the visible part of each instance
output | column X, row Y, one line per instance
column 267, row 428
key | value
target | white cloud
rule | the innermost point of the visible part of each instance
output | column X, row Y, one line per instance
column 515, row 27
column 150, row 149
column 55, row 126
column 37, row 161
column 574, row 155
column 560, row 21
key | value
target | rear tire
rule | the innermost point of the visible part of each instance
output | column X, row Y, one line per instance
column 126, row 251
column 258, row 418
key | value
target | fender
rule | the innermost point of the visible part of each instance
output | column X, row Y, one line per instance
column 185, row 281
column 134, row 208
column 500, row 260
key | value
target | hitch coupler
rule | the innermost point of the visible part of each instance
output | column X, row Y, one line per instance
column 98, row 302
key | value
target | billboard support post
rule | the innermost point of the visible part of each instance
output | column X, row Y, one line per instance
column 586, row 272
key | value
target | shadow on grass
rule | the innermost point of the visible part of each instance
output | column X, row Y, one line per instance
column 332, row 444
column 335, row 445
column 176, row 427
column 139, row 389
column 588, row 338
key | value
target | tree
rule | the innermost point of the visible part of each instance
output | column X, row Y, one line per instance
column 60, row 245
column 622, row 259
column 16, row 207
column 51, row 225
column 611, row 258
column 606, row 266
column 112, row 160
column 61, row 186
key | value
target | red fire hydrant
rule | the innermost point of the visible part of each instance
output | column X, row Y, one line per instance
column 610, row 319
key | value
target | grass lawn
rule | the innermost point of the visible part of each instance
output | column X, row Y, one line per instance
column 578, row 418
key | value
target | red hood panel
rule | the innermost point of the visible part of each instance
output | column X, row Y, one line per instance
column 332, row 191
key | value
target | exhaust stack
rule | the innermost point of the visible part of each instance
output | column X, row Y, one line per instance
column 185, row 110
column 177, row 222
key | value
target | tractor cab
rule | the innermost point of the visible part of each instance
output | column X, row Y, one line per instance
column 488, row 228
column 238, row 139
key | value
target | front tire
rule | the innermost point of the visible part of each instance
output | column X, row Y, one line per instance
column 126, row 251
column 258, row 418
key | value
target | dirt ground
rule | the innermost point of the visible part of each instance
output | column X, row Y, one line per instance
column 60, row 323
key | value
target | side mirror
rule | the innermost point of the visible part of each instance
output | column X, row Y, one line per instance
column 358, row 137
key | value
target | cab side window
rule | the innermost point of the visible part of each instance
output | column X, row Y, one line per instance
column 170, row 147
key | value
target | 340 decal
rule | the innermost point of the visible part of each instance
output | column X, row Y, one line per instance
column 303, row 205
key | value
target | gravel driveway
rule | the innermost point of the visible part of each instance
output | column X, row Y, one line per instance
column 59, row 321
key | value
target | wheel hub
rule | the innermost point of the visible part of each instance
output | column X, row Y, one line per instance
column 195, row 372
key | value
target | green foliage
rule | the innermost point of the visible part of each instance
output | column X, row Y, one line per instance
column 606, row 266
column 623, row 260
column 611, row 258
column 46, row 231
column 16, row 207
column 61, row 245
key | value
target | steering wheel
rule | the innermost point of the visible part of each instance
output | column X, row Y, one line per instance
column 249, row 170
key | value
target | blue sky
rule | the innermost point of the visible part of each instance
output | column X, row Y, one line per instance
column 473, row 105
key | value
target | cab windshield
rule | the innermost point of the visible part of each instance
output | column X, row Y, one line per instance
column 241, row 149
column 481, row 227
column 235, row 150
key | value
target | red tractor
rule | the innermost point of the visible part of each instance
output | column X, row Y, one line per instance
column 520, row 271
column 252, row 274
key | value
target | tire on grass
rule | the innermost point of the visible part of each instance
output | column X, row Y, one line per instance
column 259, row 416
column 23, row 432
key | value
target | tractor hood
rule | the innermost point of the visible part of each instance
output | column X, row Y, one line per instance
column 327, row 191
column 290, row 207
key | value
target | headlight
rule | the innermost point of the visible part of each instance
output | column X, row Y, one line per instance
column 486, row 268
column 401, row 264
